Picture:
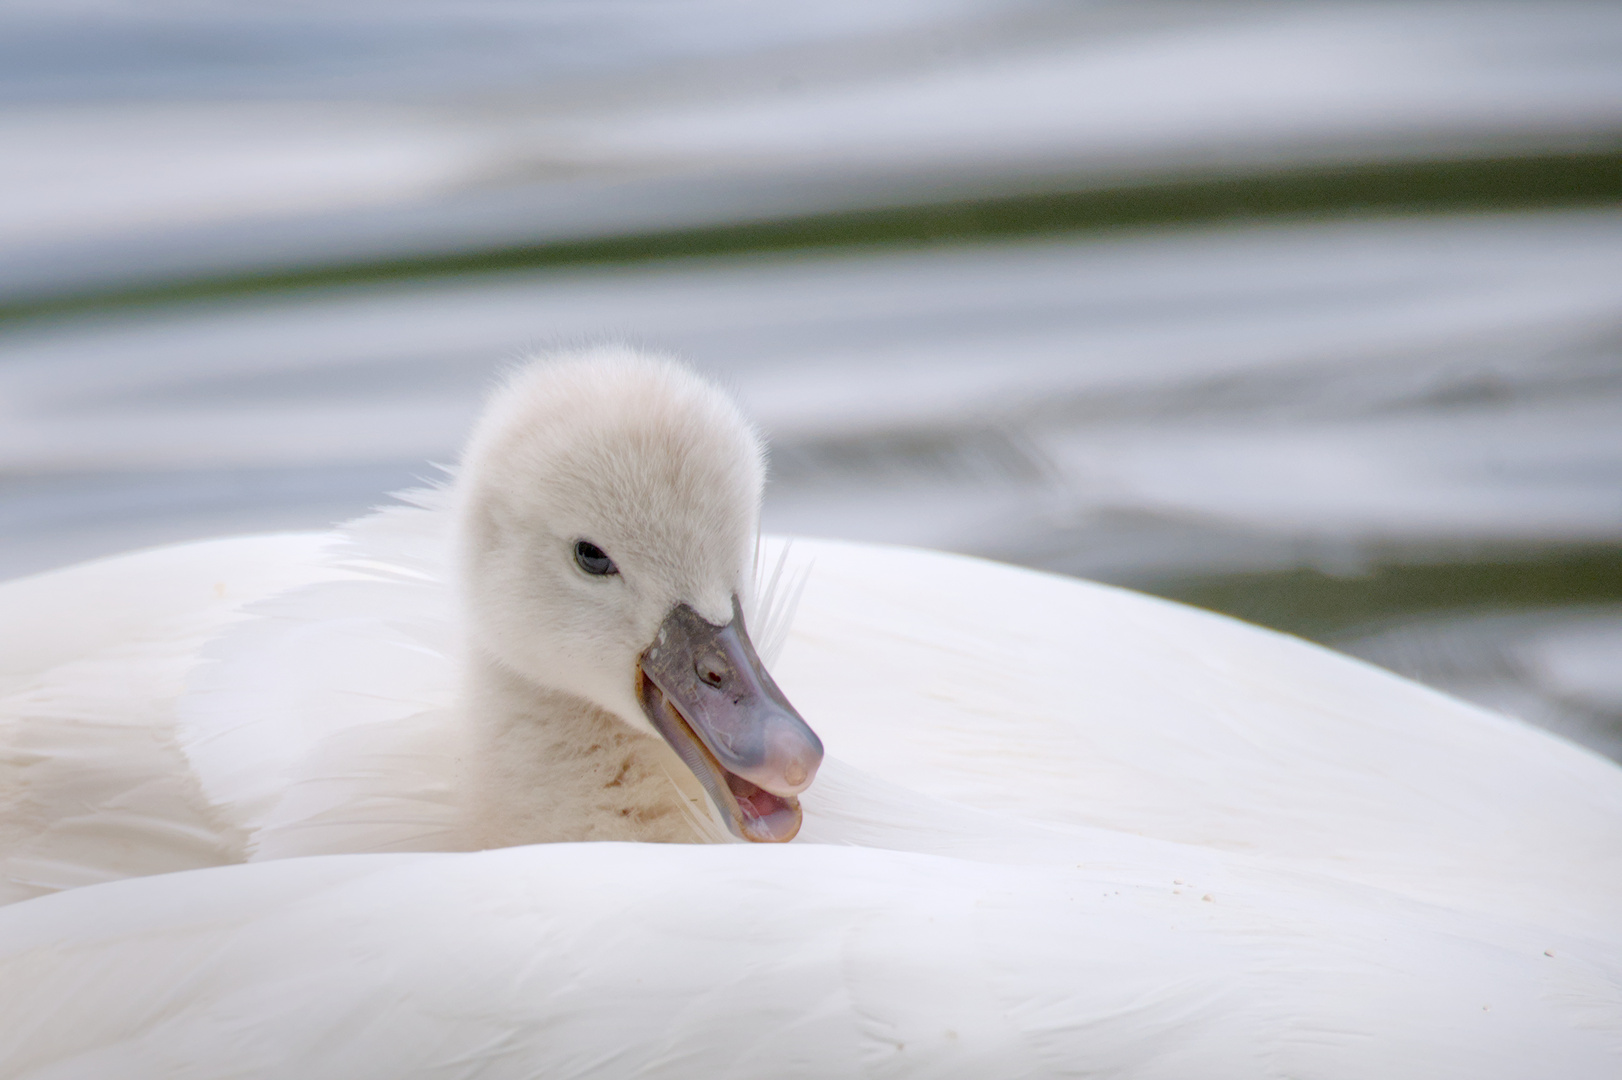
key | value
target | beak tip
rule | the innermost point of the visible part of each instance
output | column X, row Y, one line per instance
column 792, row 763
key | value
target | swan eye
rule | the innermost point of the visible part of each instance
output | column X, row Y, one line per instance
column 592, row 559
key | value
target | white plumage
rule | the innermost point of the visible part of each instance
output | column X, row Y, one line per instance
column 612, row 960
column 1064, row 830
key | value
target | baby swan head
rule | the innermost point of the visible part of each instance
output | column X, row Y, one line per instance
column 608, row 505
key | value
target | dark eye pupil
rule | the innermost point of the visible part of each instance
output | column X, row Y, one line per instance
column 592, row 558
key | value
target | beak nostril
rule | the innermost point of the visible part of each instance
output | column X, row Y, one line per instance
column 710, row 673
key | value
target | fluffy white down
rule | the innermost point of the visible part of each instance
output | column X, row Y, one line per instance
column 639, row 456
column 1064, row 830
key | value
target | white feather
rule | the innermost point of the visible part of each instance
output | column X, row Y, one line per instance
column 591, row 960
column 1064, row 829
column 93, row 660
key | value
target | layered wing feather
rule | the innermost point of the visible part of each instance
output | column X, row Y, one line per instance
column 1079, row 705
column 603, row 960
column 1066, row 830
column 94, row 784
column 320, row 721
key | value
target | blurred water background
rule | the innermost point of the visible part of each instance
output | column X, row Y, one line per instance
column 1306, row 312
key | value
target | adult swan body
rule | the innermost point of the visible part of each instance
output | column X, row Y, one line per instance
column 1064, row 829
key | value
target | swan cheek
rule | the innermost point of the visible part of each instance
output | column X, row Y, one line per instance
column 706, row 691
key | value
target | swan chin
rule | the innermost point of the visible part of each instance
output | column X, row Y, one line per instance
column 706, row 691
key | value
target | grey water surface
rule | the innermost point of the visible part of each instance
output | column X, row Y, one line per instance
column 1185, row 411
column 1396, row 433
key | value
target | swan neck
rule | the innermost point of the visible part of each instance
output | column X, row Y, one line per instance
column 549, row 766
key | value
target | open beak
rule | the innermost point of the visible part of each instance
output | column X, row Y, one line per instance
column 708, row 694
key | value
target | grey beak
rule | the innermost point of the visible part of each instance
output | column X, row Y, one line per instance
column 707, row 692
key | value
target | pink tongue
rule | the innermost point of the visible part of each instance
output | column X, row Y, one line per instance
column 765, row 816
column 754, row 801
column 761, row 803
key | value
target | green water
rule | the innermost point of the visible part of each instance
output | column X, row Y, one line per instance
column 1591, row 177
